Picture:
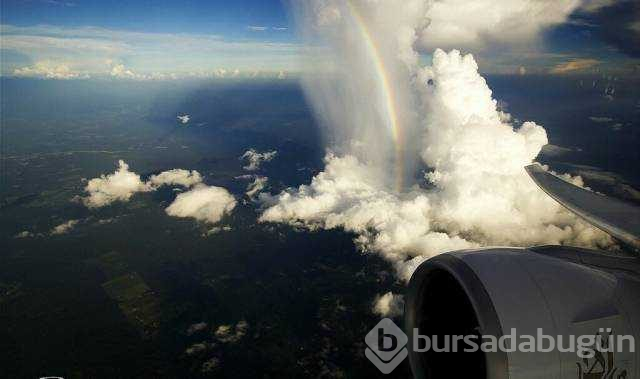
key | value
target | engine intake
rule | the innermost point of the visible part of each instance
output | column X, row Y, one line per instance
column 563, row 291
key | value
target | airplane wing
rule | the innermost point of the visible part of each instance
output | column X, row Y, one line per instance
column 619, row 219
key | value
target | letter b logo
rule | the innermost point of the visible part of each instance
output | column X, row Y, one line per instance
column 386, row 342
column 386, row 346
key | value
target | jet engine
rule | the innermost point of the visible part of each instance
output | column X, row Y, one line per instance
column 561, row 293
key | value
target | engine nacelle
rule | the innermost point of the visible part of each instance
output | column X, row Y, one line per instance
column 564, row 291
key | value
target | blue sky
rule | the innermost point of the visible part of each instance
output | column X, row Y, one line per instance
column 148, row 36
column 142, row 39
column 224, row 17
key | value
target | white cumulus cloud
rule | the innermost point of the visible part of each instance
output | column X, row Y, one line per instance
column 231, row 334
column 121, row 72
column 64, row 228
column 389, row 305
column 204, row 203
column 119, row 186
column 181, row 177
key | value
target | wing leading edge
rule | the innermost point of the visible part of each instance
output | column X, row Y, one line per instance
column 619, row 219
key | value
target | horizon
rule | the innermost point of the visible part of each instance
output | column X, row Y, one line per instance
column 170, row 40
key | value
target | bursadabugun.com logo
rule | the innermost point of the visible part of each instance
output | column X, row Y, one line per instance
column 386, row 344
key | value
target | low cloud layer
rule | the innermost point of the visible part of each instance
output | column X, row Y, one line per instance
column 48, row 70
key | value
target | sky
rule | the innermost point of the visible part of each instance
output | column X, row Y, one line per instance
column 136, row 38
column 68, row 39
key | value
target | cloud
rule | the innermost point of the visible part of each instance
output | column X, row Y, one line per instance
column 279, row 28
column 502, row 35
column 121, row 72
column 475, row 191
column 64, row 228
column 216, row 230
column 256, row 186
column 555, row 150
column 180, row 177
column 348, row 195
column 229, row 334
column 254, row 158
column 615, row 23
column 255, row 28
column 204, row 203
column 24, row 234
column 197, row 327
column 389, row 305
column 198, row 348
column 145, row 54
column 60, row 3
column 119, row 186
column 48, row 70
column 575, row 65
column 478, row 24
column 615, row 183
column 600, row 119
column 220, row 72
column 595, row 5
column 210, row 365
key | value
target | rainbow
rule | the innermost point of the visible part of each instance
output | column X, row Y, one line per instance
column 386, row 90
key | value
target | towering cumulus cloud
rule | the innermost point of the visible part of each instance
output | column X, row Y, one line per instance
column 423, row 161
